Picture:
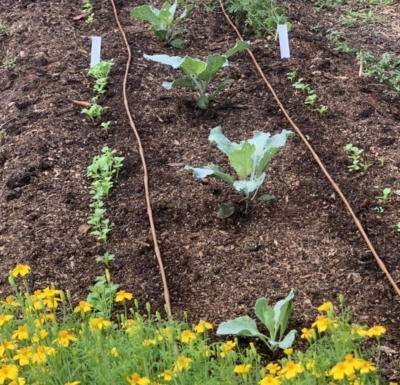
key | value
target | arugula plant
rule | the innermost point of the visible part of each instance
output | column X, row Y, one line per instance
column 250, row 160
column 100, row 73
column 275, row 319
column 199, row 73
column 355, row 154
column 163, row 20
column 94, row 112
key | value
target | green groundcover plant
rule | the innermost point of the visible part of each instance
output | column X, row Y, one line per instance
column 199, row 73
column 250, row 159
column 46, row 339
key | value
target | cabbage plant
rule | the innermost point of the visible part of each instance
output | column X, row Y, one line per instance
column 250, row 160
column 199, row 73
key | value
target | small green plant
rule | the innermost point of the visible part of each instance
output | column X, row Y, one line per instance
column 164, row 22
column 102, row 170
column 398, row 227
column 292, row 75
column 250, row 159
column 327, row 4
column 352, row 17
column 105, row 126
column 106, row 258
column 274, row 319
column 87, row 7
column 5, row 30
column 199, row 73
column 262, row 16
column 321, row 110
column 379, row 209
column 335, row 37
column 300, row 85
column 310, row 99
column 90, row 19
column 94, row 112
column 385, row 194
column 100, row 73
column 355, row 154
column 8, row 61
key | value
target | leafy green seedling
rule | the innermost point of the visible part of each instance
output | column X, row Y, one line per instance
column 100, row 73
column 106, row 258
column 250, row 160
column 275, row 320
column 321, row 110
column 105, row 126
column 385, row 194
column 94, row 112
column 87, row 7
column 163, row 20
column 292, row 75
column 398, row 227
column 311, row 99
column 379, row 209
column 300, row 85
column 90, row 19
column 355, row 156
column 199, row 73
column 5, row 30
column 8, row 61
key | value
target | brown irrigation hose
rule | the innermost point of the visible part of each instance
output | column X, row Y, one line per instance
column 315, row 156
column 145, row 174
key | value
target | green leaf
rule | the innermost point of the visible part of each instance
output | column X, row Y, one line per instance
column 192, row 67
column 267, row 198
column 223, row 85
column 242, row 326
column 212, row 171
column 183, row 82
column 283, row 310
column 239, row 46
column 186, row 13
column 178, row 31
column 167, row 13
column 287, row 342
column 203, row 102
column 173, row 61
column 266, row 315
column 147, row 13
column 213, row 64
column 248, row 186
column 241, row 159
column 222, row 142
column 225, row 210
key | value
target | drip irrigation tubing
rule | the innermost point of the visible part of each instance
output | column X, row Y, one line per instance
column 317, row 159
column 144, row 165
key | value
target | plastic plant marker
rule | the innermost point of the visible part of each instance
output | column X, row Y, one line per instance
column 284, row 41
column 96, row 48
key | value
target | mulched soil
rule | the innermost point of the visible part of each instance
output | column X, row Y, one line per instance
column 216, row 269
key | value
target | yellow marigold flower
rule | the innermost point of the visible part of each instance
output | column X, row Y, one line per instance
column 83, row 307
column 137, row 380
column 18, row 381
column 307, row 334
column 149, row 342
column 393, row 383
column 21, row 270
column 122, row 296
column 341, row 370
column 288, row 351
column 8, row 372
column 269, row 380
column 5, row 318
column 130, row 326
column 41, row 354
column 23, row 356
column 10, row 301
column 226, row 348
column 186, row 336
column 73, row 383
column 48, row 293
column 6, row 345
column 355, row 362
column 114, row 352
column 291, row 369
column 366, row 367
column 99, row 323
column 321, row 323
column 39, row 335
column 51, row 302
column 182, row 363
column 21, row 333
column 202, row 327
column 359, row 330
column 64, row 338
column 273, row 368
column 168, row 375
column 242, row 369
column 327, row 306
column 376, row 331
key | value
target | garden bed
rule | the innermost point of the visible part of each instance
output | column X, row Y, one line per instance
column 216, row 269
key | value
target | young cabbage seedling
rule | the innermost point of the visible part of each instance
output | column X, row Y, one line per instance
column 385, row 194
column 163, row 20
column 275, row 320
column 250, row 159
column 199, row 73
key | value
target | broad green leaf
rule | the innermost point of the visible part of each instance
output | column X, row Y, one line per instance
column 287, row 342
column 161, row 32
column 266, row 315
column 212, row 171
column 225, row 210
column 223, row 85
column 192, row 67
column 283, row 310
column 239, row 46
column 242, row 326
column 213, row 64
column 266, row 198
column 183, row 82
column 222, row 142
column 241, row 159
column 178, row 31
column 173, row 61
column 147, row 13
column 203, row 102
column 248, row 186
column 186, row 13
column 167, row 13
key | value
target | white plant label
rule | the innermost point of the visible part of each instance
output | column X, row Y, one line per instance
column 284, row 41
column 96, row 48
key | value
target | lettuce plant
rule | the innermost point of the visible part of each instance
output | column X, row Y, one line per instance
column 275, row 320
column 164, row 21
column 250, row 160
column 199, row 73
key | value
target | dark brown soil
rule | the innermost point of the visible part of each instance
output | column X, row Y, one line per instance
column 216, row 269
